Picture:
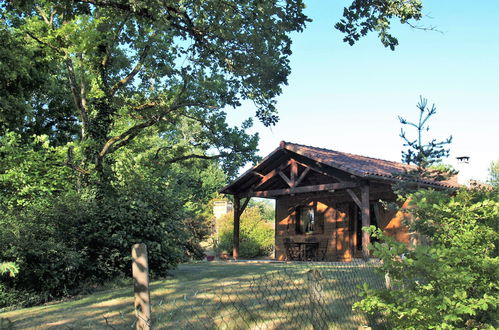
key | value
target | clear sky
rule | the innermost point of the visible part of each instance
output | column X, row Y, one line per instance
column 348, row 98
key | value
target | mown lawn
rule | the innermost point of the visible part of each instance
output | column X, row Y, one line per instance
column 218, row 295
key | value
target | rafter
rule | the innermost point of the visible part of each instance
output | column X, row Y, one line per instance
column 294, row 171
column 354, row 197
column 272, row 174
column 285, row 178
column 305, row 189
column 302, row 176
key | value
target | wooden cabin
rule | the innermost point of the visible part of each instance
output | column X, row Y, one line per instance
column 323, row 199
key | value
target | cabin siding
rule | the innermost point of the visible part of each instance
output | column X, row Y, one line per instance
column 339, row 231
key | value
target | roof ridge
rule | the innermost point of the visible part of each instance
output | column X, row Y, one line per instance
column 346, row 153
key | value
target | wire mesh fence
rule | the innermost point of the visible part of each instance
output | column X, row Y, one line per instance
column 296, row 296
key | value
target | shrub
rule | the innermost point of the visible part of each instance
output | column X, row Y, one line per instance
column 63, row 236
column 452, row 281
column 256, row 236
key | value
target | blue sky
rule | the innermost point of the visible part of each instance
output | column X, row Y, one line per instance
column 348, row 98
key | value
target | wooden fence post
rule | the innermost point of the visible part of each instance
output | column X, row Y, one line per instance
column 140, row 272
column 318, row 316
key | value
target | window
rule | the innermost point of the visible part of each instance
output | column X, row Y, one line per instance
column 308, row 221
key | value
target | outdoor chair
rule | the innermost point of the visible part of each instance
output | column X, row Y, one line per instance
column 321, row 253
column 293, row 252
column 310, row 249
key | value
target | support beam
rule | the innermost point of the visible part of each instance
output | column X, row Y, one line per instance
column 355, row 198
column 243, row 206
column 289, row 182
column 237, row 220
column 366, row 220
column 272, row 174
column 294, row 172
column 305, row 189
column 238, row 210
column 302, row 176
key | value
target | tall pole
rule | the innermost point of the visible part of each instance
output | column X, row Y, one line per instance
column 237, row 220
column 366, row 220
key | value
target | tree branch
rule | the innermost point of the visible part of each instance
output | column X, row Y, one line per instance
column 192, row 156
column 174, row 15
column 43, row 43
column 147, row 105
column 80, row 102
column 126, row 137
column 44, row 15
column 128, row 134
column 132, row 73
column 70, row 163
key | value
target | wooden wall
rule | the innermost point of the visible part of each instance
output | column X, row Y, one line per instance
column 338, row 213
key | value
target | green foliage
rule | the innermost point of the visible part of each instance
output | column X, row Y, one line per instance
column 425, row 155
column 34, row 99
column 63, row 238
column 131, row 67
column 266, row 207
column 494, row 174
column 9, row 268
column 256, row 236
column 451, row 282
column 419, row 152
column 364, row 16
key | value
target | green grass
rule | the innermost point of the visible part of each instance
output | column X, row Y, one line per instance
column 217, row 295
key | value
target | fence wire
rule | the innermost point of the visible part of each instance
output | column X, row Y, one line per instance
column 296, row 296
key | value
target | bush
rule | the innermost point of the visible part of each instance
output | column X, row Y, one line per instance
column 64, row 236
column 452, row 281
column 256, row 236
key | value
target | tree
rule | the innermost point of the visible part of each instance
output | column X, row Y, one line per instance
column 494, row 174
column 364, row 16
column 425, row 155
column 447, row 282
column 422, row 153
column 52, row 230
column 127, row 66
column 134, row 65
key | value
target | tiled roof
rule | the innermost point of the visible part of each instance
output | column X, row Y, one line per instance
column 358, row 165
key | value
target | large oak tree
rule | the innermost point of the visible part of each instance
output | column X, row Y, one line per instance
column 105, row 71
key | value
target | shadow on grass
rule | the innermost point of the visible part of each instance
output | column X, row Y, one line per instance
column 280, row 297
column 221, row 295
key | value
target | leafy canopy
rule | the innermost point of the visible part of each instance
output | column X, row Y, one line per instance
column 133, row 65
column 364, row 16
column 105, row 71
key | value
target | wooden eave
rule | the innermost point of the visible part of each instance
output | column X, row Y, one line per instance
column 285, row 172
column 290, row 169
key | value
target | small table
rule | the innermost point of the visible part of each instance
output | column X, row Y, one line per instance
column 308, row 250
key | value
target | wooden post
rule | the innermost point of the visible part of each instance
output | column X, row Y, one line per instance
column 237, row 220
column 366, row 220
column 140, row 272
column 316, row 303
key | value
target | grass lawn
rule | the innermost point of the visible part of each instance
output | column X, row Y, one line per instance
column 217, row 295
